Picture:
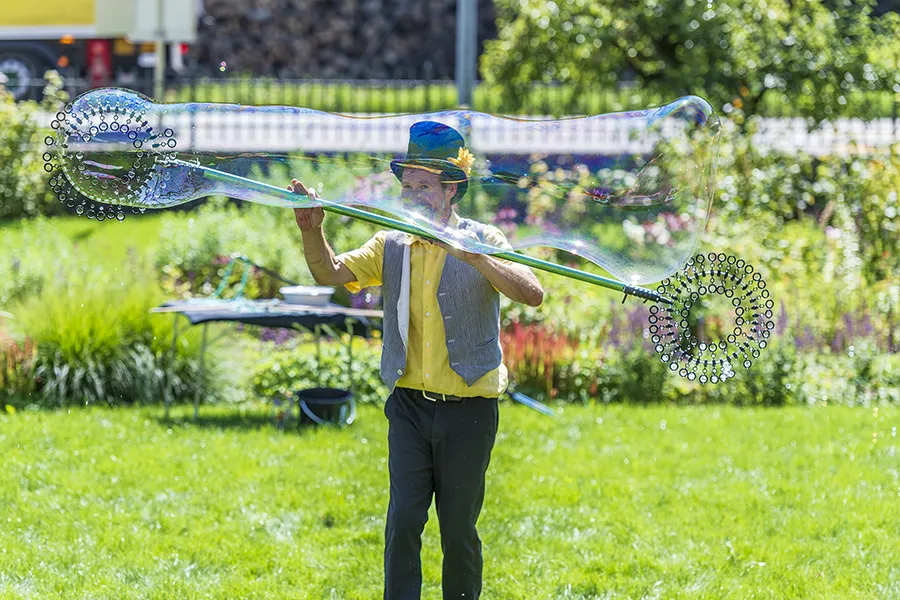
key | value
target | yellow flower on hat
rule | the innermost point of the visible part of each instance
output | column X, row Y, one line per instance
column 465, row 160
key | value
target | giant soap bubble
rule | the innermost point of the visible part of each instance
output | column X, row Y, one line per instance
column 627, row 191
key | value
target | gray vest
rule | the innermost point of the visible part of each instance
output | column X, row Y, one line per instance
column 470, row 308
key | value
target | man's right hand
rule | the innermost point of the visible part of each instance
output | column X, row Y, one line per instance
column 308, row 219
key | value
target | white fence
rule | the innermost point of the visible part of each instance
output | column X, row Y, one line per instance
column 281, row 132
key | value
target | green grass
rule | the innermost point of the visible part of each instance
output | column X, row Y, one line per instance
column 107, row 242
column 602, row 502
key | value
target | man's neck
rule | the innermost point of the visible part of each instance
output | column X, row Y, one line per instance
column 452, row 221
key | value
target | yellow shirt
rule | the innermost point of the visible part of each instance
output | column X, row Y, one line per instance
column 427, row 358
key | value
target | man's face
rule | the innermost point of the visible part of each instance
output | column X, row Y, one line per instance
column 425, row 192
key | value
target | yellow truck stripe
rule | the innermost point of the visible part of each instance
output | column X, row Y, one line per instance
column 47, row 13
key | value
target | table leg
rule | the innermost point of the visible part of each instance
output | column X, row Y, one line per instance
column 202, row 369
column 170, row 388
column 349, row 324
column 318, row 355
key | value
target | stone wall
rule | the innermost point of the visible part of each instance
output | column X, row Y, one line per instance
column 378, row 39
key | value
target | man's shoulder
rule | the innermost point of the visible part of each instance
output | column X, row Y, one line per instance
column 389, row 235
column 378, row 238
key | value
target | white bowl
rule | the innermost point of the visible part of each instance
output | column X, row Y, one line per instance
column 310, row 295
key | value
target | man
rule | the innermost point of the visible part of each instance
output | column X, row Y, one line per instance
column 441, row 358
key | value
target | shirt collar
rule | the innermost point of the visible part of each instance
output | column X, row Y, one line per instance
column 452, row 222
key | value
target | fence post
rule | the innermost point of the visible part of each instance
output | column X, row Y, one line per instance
column 466, row 49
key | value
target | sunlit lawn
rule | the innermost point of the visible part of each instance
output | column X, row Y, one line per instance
column 601, row 502
column 107, row 242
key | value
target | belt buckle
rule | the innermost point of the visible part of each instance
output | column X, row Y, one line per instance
column 427, row 397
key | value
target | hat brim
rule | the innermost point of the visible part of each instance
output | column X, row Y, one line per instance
column 449, row 172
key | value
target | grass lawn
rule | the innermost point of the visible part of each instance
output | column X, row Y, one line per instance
column 107, row 242
column 601, row 502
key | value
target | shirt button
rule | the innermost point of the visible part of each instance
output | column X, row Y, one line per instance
column 427, row 282
column 428, row 344
column 428, row 314
column 427, row 375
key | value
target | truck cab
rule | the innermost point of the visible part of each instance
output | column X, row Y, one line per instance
column 95, row 43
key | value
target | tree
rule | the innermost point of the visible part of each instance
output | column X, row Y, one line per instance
column 735, row 53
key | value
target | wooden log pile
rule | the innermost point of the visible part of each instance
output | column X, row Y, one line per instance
column 343, row 39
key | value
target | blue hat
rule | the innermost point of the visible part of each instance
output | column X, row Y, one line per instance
column 437, row 148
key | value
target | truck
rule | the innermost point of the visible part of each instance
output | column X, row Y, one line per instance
column 93, row 42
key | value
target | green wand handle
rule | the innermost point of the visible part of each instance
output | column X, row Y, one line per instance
column 389, row 223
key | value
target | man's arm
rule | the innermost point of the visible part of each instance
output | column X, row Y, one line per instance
column 323, row 265
column 516, row 282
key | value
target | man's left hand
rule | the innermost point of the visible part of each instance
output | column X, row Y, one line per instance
column 456, row 251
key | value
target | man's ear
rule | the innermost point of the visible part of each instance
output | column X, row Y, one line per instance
column 452, row 188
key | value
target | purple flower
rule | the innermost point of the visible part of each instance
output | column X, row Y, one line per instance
column 848, row 325
column 839, row 341
column 806, row 340
column 781, row 324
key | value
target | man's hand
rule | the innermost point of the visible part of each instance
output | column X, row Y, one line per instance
column 473, row 258
column 516, row 282
column 308, row 219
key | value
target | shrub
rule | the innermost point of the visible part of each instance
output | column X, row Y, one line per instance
column 97, row 343
column 634, row 376
column 772, row 380
column 16, row 368
column 195, row 248
column 611, row 361
column 41, row 254
column 281, row 372
column 23, row 183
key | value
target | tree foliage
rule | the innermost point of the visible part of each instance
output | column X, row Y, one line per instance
column 732, row 52
column 23, row 182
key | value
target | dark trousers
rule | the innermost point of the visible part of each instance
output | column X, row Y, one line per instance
column 440, row 448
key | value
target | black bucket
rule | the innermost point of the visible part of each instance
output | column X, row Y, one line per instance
column 326, row 406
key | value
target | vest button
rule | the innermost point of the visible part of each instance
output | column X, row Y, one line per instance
column 399, row 371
